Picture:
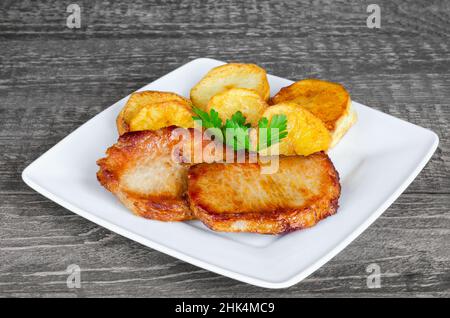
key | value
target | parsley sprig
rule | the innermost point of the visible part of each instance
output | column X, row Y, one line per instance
column 236, row 131
column 275, row 130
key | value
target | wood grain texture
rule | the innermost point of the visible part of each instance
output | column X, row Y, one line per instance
column 53, row 79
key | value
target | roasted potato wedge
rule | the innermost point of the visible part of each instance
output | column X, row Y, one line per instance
column 328, row 101
column 247, row 101
column 163, row 114
column 139, row 100
column 232, row 75
column 307, row 134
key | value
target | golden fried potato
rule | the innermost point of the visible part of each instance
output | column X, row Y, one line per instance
column 139, row 100
column 328, row 101
column 232, row 75
column 163, row 114
column 247, row 101
column 307, row 134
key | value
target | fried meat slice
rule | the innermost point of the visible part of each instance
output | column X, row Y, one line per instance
column 238, row 198
column 141, row 171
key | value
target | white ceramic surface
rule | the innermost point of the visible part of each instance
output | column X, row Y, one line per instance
column 377, row 159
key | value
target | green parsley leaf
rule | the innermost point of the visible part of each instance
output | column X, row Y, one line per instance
column 274, row 132
column 235, row 131
column 211, row 120
column 239, row 119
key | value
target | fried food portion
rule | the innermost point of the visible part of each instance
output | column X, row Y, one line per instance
column 232, row 75
column 238, row 198
column 140, row 100
column 307, row 134
column 328, row 101
column 147, row 170
column 141, row 171
column 163, row 114
column 247, row 101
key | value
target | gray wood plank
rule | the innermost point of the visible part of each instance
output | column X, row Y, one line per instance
column 53, row 79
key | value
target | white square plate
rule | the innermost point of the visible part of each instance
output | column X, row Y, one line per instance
column 377, row 159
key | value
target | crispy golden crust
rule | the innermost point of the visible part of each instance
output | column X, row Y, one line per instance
column 227, row 76
column 140, row 171
column 328, row 101
column 238, row 198
column 122, row 126
column 307, row 134
column 247, row 101
column 147, row 170
column 163, row 114
column 139, row 100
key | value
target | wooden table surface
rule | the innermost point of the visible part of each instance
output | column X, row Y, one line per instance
column 53, row 79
